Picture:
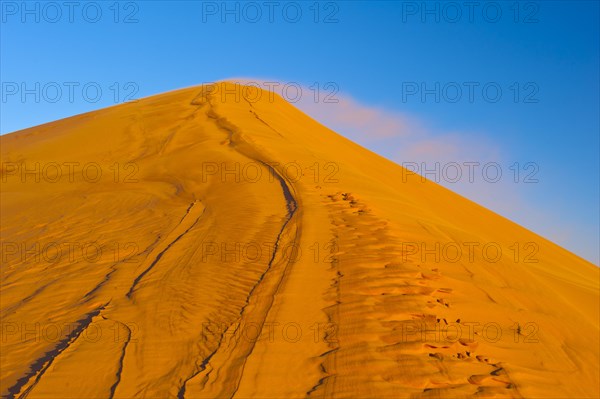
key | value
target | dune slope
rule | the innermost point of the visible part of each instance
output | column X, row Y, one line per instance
column 216, row 242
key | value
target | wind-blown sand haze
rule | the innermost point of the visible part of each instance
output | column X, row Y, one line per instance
column 215, row 242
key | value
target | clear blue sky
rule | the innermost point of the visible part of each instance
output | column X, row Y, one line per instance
column 373, row 52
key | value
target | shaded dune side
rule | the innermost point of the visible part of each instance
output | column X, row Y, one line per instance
column 159, row 295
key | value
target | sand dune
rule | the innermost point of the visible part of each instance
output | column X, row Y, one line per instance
column 216, row 242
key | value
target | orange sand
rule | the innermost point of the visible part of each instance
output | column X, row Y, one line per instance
column 201, row 263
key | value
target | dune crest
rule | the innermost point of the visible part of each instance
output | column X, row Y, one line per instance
column 214, row 241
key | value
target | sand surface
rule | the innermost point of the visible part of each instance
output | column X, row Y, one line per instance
column 215, row 242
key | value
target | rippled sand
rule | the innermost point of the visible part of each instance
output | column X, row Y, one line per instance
column 216, row 242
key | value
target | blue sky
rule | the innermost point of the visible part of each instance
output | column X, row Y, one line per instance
column 500, row 82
